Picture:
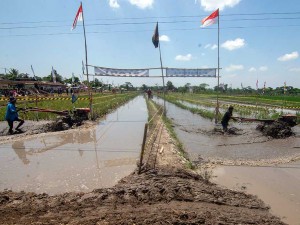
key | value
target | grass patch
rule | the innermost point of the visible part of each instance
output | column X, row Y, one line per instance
column 272, row 101
column 102, row 104
column 169, row 125
column 259, row 111
column 202, row 112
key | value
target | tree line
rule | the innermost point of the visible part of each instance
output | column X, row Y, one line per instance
column 226, row 89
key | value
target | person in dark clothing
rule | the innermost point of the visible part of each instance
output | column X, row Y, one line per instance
column 11, row 115
column 227, row 116
column 149, row 93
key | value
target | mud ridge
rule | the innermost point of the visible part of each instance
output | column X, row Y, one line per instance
column 154, row 197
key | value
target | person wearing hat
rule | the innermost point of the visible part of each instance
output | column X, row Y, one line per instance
column 227, row 116
column 11, row 115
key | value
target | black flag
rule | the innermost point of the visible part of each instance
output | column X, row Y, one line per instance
column 155, row 37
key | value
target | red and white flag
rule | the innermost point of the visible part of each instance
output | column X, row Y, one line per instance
column 78, row 17
column 211, row 19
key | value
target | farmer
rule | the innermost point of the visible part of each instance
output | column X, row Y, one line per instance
column 227, row 116
column 12, row 115
column 149, row 92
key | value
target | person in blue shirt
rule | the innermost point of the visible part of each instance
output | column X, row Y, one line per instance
column 11, row 115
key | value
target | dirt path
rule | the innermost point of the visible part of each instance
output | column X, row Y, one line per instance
column 166, row 192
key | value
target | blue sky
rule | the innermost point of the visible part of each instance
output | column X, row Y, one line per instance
column 259, row 39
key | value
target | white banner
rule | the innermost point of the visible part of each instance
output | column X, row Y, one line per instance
column 173, row 72
column 101, row 71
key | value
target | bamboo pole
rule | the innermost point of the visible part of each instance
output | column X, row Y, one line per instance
column 86, row 66
column 143, row 147
column 217, row 108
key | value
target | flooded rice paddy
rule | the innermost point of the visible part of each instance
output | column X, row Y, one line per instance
column 76, row 160
column 274, row 171
column 86, row 159
column 249, row 147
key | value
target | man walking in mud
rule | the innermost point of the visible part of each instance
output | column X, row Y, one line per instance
column 149, row 93
column 227, row 116
column 12, row 115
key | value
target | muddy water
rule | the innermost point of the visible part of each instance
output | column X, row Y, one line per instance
column 250, row 147
column 78, row 160
column 277, row 186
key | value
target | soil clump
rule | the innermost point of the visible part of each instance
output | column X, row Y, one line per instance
column 277, row 129
column 160, row 196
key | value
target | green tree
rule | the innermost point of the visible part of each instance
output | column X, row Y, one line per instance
column 203, row 86
column 170, row 86
column 187, row 87
column 69, row 80
column 127, row 86
column 144, row 87
column 49, row 78
column 12, row 74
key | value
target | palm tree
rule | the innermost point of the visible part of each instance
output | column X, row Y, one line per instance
column 12, row 74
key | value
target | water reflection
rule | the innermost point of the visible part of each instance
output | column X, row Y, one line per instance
column 19, row 149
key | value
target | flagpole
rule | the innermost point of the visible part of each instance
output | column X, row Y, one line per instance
column 217, row 108
column 162, row 74
column 86, row 63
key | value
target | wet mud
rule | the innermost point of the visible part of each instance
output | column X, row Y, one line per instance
column 154, row 197
column 277, row 129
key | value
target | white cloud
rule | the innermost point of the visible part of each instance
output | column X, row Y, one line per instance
column 210, row 5
column 234, row 68
column 233, row 44
column 214, row 47
column 252, row 69
column 211, row 46
column 114, row 4
column 287, row 57
column 294, row 70
column 143, row 4
column 187, row 57
column 263, row 68
column 164, row 38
